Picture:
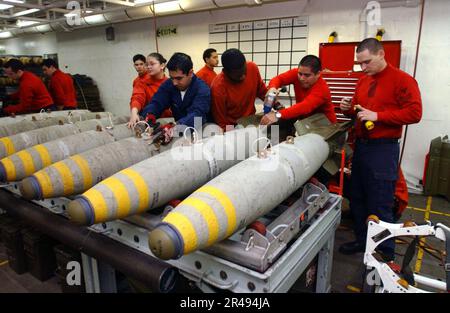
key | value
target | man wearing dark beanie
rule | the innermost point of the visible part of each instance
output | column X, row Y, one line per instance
column 234, row 90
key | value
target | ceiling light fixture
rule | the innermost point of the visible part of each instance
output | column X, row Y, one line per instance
column 26, row 12
column 22, row 23
column 162, row 7
column 5, row 6
column 167, row 7
column 4, row 35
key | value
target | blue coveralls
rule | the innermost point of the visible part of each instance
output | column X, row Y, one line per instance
column 374, row 175
column 196, row 102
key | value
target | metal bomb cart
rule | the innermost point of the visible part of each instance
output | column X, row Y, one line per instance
column 267, row 256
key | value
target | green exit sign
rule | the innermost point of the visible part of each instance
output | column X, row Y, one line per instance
column 167, row 31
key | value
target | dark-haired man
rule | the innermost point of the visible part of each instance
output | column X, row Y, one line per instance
column 311, row 92
column 60, row 86
column 235, row 89
column 390, row 98
column 186, row 95
column 32, row 94
column 207, row 72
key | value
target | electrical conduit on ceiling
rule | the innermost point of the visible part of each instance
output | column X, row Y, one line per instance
column 142, row 10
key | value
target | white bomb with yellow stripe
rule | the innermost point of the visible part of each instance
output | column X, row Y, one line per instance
column 80, row 172
column 169, row 175
column 22, row 123
column 15, row 143
column 237, row 197
column 28, row 161
column 26, row 125
column 8, row 120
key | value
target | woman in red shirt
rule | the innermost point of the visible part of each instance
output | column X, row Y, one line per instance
column 151, row 76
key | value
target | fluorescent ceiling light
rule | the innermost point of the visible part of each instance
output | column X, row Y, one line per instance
column 15, row 1
column 5, row 35
column 44, row 28
column 74, row 14
column 163, row 7
column 26, row 12
column 167, row 7
column 5, row 6
column 142, row 1
column 94, row 19
column 22, row 23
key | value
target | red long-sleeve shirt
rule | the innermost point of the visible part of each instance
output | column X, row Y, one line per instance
column 207, row 74
column 144, row 87
column 316, row 99
column 395, row 96
column 32, row 95
column 231, row 101
column 62, row 90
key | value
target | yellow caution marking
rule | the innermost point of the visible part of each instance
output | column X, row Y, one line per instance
column 208, row 214
column 66, row 177
column 185, row 228
column 27, row 161
column 4, row 263
column 418, row 266
column 44, row 155
column 8, row 144
column 227, row 205
column 85, row 170
column 353, row 288
column 141, row 187
column 120, row 192
column 10, row 169
column 431, row 211
column 98, row 203
column 45, row 183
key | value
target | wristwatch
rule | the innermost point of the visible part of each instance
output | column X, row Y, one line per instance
column 278, row 115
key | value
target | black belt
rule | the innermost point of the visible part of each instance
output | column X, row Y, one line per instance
column 377, row 140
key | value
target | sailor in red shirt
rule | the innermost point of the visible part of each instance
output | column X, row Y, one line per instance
column 150, row 77
column 60, row 86
column 211, row 61
column 311, row 92
column 390, row 98
column 32, row 94
column 233, row 92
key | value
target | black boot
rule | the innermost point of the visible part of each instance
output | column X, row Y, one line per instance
column 352, row 247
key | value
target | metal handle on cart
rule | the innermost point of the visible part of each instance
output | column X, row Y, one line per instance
column 218, row 284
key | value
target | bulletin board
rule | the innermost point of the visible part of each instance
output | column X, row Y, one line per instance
column 275, row 45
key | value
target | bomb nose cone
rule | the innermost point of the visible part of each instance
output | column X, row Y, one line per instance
column 2, row 173
column 30, row 188
column 81, row 212
column 165, row 242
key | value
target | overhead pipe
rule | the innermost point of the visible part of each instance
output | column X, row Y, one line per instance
column 158, row 275
column 416, row 60
column 141, row 11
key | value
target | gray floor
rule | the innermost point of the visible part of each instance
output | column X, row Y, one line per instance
column 347, row 274
column 24, row 283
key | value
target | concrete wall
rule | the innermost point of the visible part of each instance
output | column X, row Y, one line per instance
column 88, row 52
